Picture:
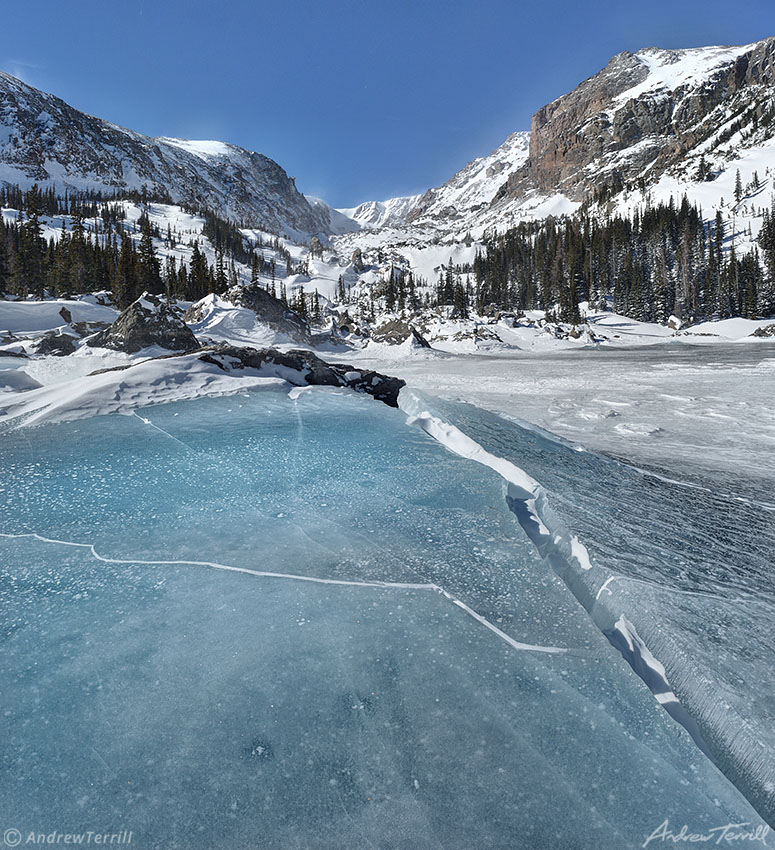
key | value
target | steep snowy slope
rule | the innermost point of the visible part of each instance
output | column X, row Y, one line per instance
column 453, row 206
column 338, row 221
column 472, row 189
column 650, row 125
column 44, row 140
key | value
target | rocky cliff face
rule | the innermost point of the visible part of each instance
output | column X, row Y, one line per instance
column 643, row 114
column 44, row 140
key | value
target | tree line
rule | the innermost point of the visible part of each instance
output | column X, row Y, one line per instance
column 664, row 261
column 105, row 255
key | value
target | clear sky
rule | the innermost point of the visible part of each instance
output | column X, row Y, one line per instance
column 358, row 99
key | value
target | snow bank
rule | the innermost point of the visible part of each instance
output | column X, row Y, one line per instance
column 17, row 380
column 222, row 321
column 24, row 317
column 141, row 385
column 728, row 329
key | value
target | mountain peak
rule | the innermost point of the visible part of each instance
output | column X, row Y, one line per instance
column 644, row 113
column 44, row 140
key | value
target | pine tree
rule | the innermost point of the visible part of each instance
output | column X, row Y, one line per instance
column 170, row 278
column 125, row 283
column 221, row 282
column 4, row 270
column 148, row 266
column 300, row 304
column 316, row 315
column 198, row 277
column 459, row 301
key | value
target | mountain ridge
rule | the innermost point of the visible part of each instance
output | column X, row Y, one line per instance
column 46, row 141
column 647, row 122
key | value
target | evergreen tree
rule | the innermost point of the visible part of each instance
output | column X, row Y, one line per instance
column 459, row 301
column 125, row 283
column 148, row 266
column 198, row 277
column 4, row 270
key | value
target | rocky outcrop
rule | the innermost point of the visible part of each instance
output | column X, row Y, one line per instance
column 641, row 114
column 149, row 321
column 303, row 368
column 766, row 332
column 397, row 331
column 297, row 367
column 268, row 309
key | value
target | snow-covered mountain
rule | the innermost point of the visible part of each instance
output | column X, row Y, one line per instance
column 651, row 124
column 472, row 189
column 43, row 140
column 646, row 115
column 455, row 204
column 375, row 215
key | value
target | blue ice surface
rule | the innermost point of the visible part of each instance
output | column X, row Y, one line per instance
column 688, row 564
column 202, row 708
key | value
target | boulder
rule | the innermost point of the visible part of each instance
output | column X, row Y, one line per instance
column 149, row 321
column 764, row 332
column 58, row 345
column 397, row 331
column 303, row 368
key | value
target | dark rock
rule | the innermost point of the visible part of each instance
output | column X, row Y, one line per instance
column 765, row 332
column 66, row 315
column 59, row 345
column 146, row 322
column 10, row 353
column 486, row 333
column 303, row 368
column 397, row 331
column 87, row 328
column 345, row 324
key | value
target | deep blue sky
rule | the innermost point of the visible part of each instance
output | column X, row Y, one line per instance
column 357, row 100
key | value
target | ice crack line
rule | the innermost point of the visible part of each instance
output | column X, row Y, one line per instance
column 394, row 585
column 147, row 421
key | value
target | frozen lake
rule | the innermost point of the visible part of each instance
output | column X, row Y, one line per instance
column 698, row 410
column 391, row 663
